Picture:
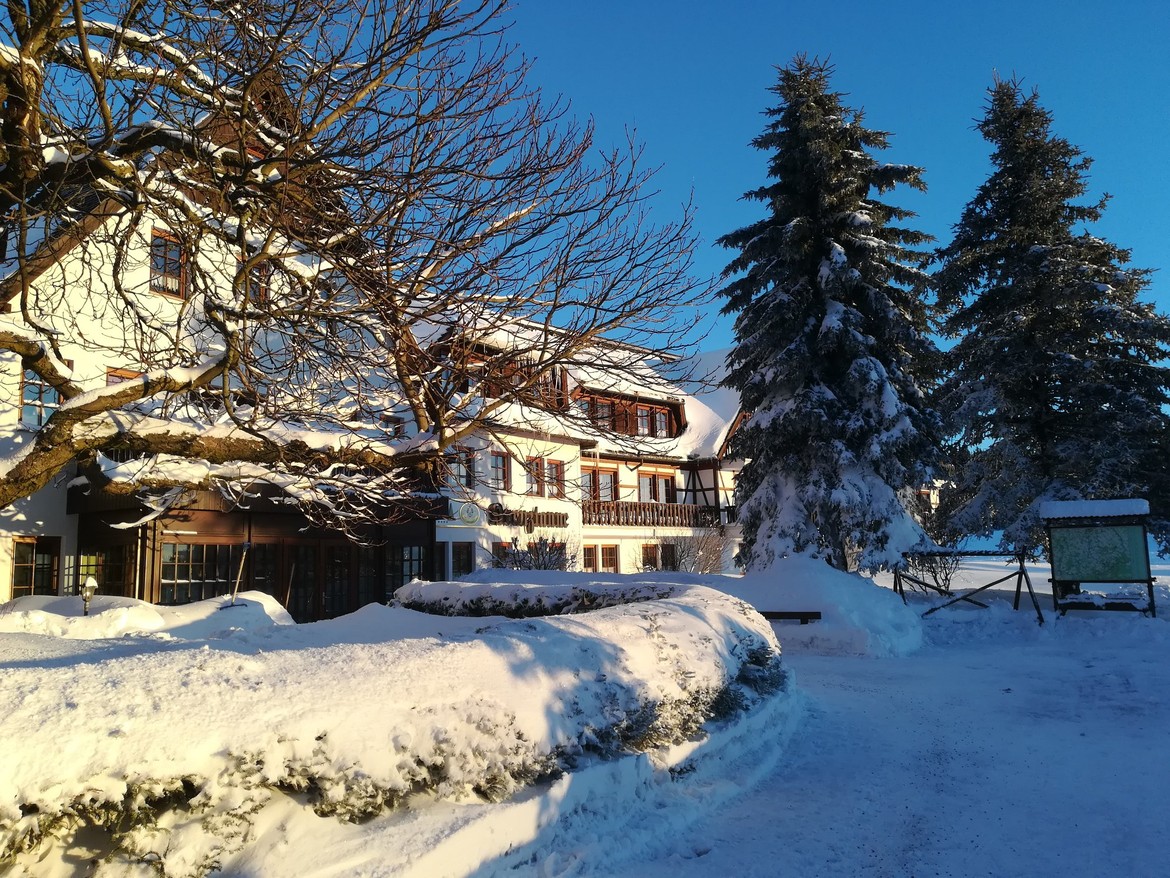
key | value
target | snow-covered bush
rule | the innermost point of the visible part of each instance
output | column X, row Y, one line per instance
column 172, row 747
column 522, row 601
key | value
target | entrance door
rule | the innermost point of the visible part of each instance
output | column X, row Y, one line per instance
column 338, row 580
column 304, row 595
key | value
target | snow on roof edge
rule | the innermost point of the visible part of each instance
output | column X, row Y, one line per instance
column 1093, row 508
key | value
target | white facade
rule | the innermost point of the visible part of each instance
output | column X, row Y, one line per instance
column 641, row 496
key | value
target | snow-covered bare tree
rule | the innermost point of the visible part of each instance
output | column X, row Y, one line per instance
column 1055, row 385
column 701, row 551
column 306, row 234
column 831, row 347
column 537, row 552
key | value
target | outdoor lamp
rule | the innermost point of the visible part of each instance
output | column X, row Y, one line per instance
column 87, row 592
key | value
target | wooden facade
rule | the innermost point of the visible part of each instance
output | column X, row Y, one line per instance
column 200, row 550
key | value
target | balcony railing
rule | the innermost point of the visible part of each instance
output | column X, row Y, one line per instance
column 649, row 514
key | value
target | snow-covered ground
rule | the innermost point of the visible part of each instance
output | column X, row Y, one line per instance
column 973, row 742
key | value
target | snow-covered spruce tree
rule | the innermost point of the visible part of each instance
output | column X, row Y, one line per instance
column 1053, row 384
column 831, row 351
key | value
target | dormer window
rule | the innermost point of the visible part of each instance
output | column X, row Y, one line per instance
column 394, row 425
column 167, row 265
column 599, row 411
column 653, row 421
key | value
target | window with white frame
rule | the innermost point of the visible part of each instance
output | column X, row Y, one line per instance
column 461, row 468
column 501, row 470
column 655, row 488
column 554, row 478
column 599, row 484
column 38, row 400
column 167, row 265
column 534, row 476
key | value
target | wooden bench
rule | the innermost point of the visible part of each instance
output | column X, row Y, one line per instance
column 805, row 616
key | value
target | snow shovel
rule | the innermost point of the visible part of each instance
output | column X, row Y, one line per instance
column 239, row 576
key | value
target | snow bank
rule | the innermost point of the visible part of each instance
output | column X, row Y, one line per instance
column 858, row 616
column 115, row 616
column 177, row 737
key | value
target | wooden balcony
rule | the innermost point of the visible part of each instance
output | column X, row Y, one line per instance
column 649, row 514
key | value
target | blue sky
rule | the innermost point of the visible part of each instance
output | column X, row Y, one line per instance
column 692, row 77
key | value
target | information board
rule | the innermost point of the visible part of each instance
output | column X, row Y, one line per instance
column 1100, row 553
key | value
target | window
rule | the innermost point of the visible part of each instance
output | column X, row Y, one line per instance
column 598, row 411
column 603, row 414
column 599, row 484
column 462, row 559
column 551, row 385
column 108, row 566
column 554, row 477
column 38, row 400
column 338, row 570
column 501, row 476
column 656, row 489
column 589, row 559
column 669, row 556
column 650, row 557
column 661, row 423
column 500, row 554
column 545, row 554
column 609, row 559
column 534, row 476
column 35, row 562
column 117, row 376
column 195, row 572
column 256, row 283
column 403, row 564
column 394, row 426
column 461, row 468
column 646, row 489
column 667, row 493
column 167, row 266
column 652, row 421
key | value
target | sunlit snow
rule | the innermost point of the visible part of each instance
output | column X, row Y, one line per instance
column 971, row 742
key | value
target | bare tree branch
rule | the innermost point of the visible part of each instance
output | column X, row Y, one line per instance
column 334, row 238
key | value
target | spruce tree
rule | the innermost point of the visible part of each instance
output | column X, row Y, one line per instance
column 831, row 350
column 1054, row 384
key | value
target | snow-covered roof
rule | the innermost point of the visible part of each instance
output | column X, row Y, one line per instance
column 1093, row 508
column 711, row 408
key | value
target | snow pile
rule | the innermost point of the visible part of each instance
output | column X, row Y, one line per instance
column 858, row 616
column 176, row 739
column 116, row 616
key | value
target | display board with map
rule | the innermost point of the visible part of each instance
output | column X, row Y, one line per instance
column 1100, row 553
